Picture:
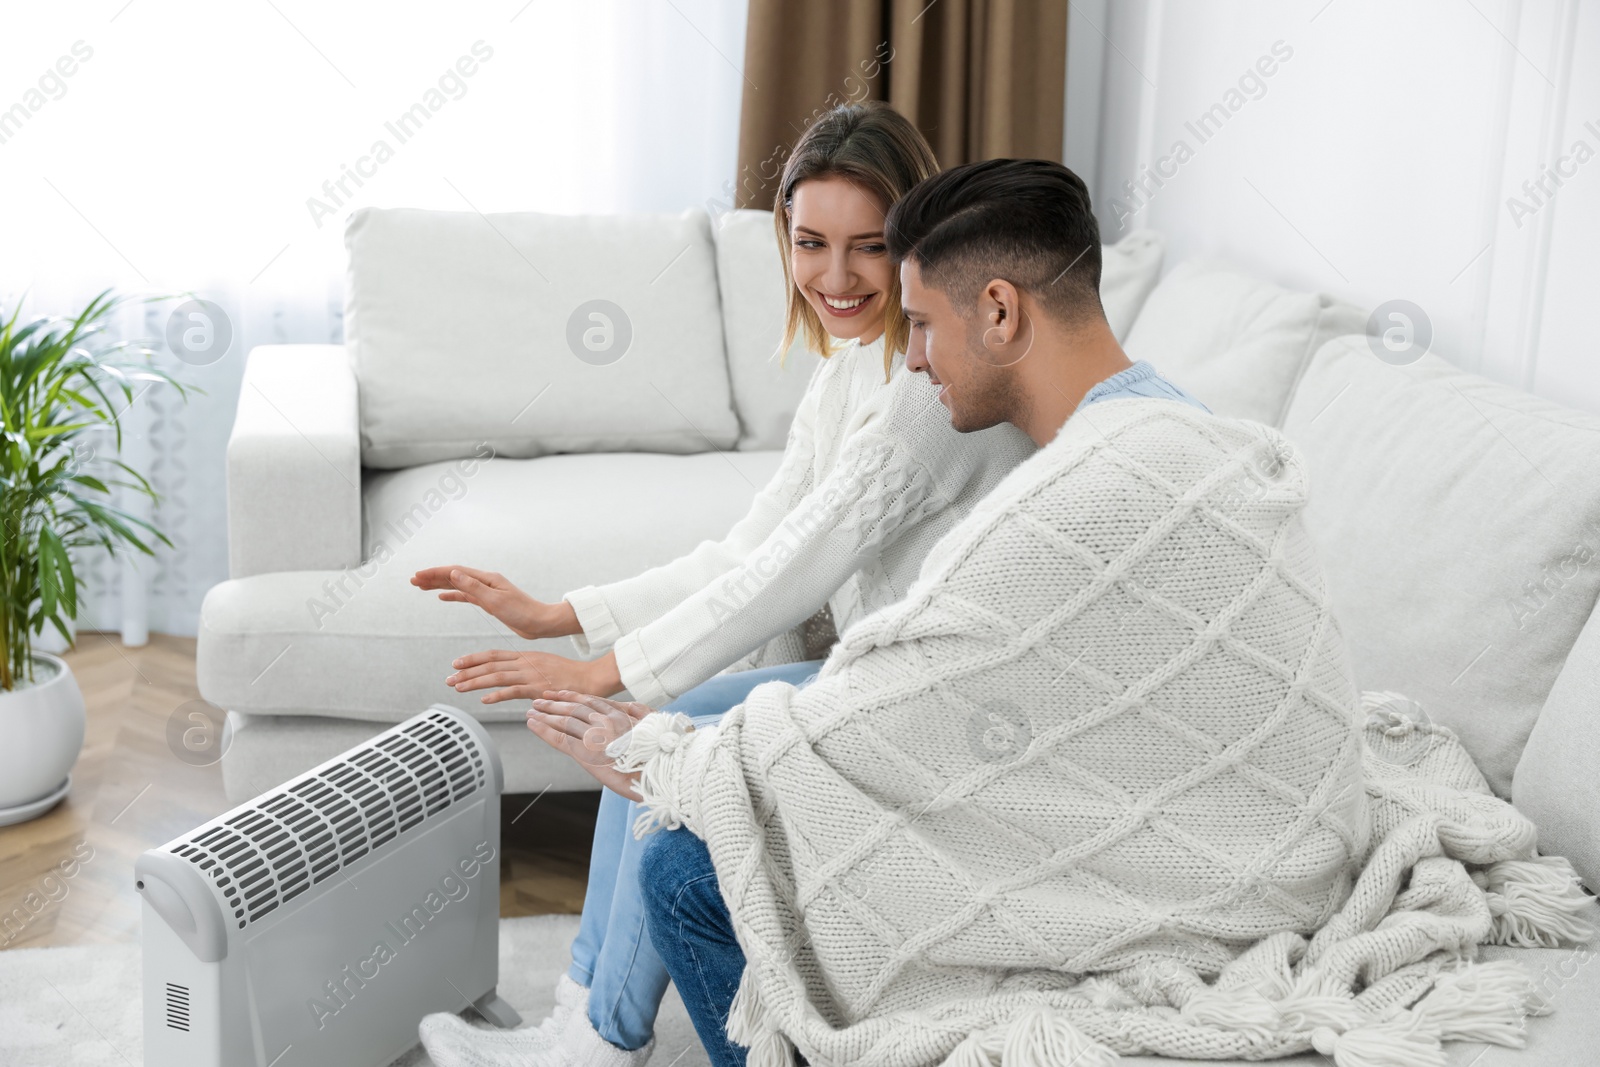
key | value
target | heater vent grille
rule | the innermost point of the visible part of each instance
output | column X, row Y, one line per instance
column 270, row 852
column 177, row 1007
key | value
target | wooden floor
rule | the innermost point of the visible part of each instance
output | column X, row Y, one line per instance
column 130, row 793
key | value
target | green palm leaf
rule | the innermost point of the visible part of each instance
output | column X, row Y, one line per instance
column 60, row 380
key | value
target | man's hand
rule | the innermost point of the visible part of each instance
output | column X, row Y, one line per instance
column 524, row 616
column 582, row 726
column 527, row 675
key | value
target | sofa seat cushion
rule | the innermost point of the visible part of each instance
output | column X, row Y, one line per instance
column 1459, row 525
column 534, row 333
column 364, row 643
column 1237, row 342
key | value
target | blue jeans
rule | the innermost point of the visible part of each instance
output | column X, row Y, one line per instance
column 690, row 921
column 613, row 954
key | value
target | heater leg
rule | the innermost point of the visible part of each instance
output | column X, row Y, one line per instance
column 497, row 1011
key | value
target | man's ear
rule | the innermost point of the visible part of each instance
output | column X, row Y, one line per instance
column 1000, row 308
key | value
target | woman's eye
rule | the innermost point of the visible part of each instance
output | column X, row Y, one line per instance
column 873, row 249
column 807, row 243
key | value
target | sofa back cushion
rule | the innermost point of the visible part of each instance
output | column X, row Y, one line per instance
column 1237, row 342
column 767, row 384
column 767, row 388
column 1129, row 271
column 1459, row 524
column 533, row 334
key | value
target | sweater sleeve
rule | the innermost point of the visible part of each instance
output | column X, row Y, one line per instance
column 606, row 612
column 878, row 487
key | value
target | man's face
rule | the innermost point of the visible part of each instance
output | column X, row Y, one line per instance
column 948, row 347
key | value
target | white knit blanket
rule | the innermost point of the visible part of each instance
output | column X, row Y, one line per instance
column 1102, row 783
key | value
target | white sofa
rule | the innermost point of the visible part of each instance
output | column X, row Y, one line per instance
column 1459, row 520
column 352, row 466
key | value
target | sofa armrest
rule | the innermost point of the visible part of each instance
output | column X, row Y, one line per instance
column 294, row 463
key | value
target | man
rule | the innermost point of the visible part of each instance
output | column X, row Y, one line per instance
column 1110, row 729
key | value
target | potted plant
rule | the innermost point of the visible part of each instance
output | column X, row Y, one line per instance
column 58, row 377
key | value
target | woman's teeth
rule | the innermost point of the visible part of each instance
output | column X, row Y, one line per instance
column 844, row 303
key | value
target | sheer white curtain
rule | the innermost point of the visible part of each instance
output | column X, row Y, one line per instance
column 178, row 145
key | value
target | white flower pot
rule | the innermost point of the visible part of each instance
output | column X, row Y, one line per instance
column 42, row 727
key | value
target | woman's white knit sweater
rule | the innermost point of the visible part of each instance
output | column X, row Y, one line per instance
column 871, row 477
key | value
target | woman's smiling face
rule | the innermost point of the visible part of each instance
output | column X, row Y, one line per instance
column 837, row 255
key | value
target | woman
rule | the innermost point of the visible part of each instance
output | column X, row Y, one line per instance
column 871, row 477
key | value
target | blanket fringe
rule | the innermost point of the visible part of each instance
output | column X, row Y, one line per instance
column 1243, row 1011
column 1487, row 1002
column 748, row 1025
column 1041, row 1037
column 1038, row 1036
column 981, row 1048
column 1480, row 1002
column 1535, row 903
column 1317, row 985
column 1309, row 1011
column 1399, row 1042
column 650, row 747
column 746, row 1018
column 771, row 1049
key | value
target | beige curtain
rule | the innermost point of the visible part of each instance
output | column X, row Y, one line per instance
column 980, row 78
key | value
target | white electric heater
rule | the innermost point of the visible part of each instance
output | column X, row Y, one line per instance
column 318, row 923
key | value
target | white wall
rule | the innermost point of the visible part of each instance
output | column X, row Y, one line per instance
column 1375, row 161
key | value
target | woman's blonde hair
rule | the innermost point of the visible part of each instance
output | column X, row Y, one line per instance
column 877, row 148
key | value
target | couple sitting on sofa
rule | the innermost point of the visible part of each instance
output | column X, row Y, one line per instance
column 1085, row 770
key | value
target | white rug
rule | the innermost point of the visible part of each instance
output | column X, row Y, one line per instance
column 83, row 1005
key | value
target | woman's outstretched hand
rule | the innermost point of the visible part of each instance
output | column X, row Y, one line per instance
column 524, row 616
column 526, row 675
column 582, row 726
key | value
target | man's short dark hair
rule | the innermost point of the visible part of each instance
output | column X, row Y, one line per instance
column 1027, row 221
